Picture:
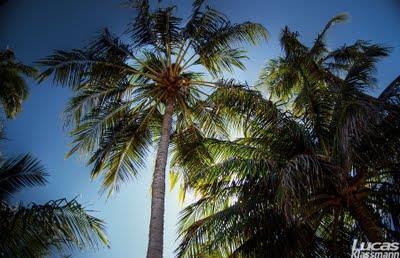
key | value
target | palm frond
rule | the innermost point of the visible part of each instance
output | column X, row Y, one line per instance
column 18, row 173
column 217, row 51
column 102, row 59
column 13, row 88
column 319, row 46
column 122, row 149
column 33, row 230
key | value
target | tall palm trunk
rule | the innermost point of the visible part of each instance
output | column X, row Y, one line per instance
column 156, row 231
column 367, row 221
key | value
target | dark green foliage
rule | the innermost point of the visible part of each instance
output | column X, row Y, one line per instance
column 13, row 88
column 307, row 173
column 19, row 173
column 120, row 89
column 38, row 230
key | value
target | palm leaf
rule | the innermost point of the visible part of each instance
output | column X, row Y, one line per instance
column 33, row 230
column 18, row 173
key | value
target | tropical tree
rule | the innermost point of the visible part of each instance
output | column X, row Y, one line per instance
column 356, row 132
column 129, row 94
column 13, row 88
column 321, row 162
column 37, row 230
column 236, row 213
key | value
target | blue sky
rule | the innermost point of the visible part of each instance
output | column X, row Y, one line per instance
column 34, row 28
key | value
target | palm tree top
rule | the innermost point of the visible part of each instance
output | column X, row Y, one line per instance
column 122, row 88
column 161, row 43
column 12, row 83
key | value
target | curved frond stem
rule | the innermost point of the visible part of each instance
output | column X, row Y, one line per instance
column 129, row 53
column 181, row 55
column 187, row 63
column 206, row 84
column 146, row 66
column 149, row 76
column 200, row 91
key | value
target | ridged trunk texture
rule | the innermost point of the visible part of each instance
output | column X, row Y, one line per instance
column 367, row 221
column 156, row 231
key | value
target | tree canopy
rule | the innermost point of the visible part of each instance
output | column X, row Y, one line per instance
column 313, row 168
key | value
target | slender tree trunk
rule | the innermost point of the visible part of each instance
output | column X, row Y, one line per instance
column 367, row 221
column 156, row 231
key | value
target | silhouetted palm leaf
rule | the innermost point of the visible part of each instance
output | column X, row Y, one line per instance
column 13, row 88
column 19, row 173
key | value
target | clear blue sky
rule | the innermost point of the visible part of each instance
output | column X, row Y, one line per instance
column 33, row 28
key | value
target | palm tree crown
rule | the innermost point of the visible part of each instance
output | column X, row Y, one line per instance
column 121, row 90
column 13, row 88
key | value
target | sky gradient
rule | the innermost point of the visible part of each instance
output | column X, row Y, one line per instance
column 35, row 28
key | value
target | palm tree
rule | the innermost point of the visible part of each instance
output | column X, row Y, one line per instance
column 36, row 230
column 13, row 88
column 236, row 214
column 126, row 94
column 328, row 90
column 324, row 158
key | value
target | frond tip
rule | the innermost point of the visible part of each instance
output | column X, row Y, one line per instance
column 18, row 173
